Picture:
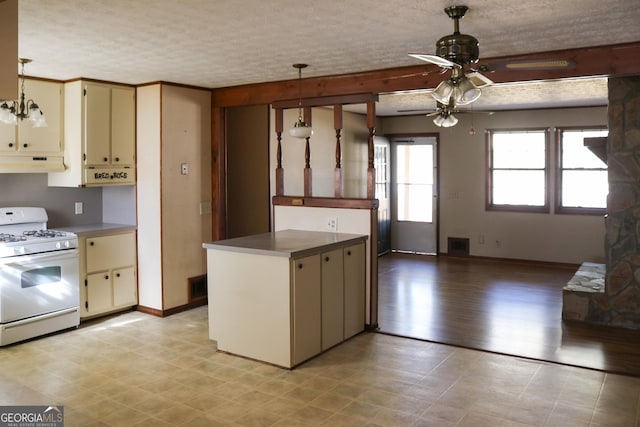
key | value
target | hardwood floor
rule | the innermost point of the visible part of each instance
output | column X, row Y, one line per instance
column 503, row 307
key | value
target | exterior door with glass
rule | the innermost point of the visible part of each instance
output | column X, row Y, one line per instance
column 414, row 213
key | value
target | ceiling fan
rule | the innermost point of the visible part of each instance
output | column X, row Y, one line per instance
column 456, row 52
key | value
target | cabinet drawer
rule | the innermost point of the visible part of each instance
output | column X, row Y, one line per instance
column 106, row 252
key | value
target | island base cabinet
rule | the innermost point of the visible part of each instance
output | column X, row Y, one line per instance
column 284, row 308
column 354, row 290
column 332, row 301
column 306, row 308
column 249, row 305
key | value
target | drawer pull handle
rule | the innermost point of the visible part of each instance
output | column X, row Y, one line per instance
column 117, row 274
column 326, row 259
column 117, row 159
column 348, row 253
column 91, row 243
column 105, row 159
column 11, row 144
column 300, row 266
column 25, row 145
column 106, row 277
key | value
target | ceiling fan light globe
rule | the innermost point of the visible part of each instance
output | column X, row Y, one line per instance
column 438, row 120
column 466, row 92
column 449, row 121
column 443, row 92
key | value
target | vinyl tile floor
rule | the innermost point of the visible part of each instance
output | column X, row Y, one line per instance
column 134, row 369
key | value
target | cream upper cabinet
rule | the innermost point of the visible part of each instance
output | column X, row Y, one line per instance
column 110, row 125
column 99, row 135
column 35, row 149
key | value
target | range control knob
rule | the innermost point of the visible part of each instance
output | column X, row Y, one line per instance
column 67, row 244
column 58, row 245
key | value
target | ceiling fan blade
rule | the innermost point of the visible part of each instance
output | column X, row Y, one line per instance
column 479, row 80
column 435, row 59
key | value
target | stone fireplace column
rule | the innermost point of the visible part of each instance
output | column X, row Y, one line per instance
column 620, row 303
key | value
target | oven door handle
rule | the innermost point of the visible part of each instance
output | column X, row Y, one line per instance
column 18, row 260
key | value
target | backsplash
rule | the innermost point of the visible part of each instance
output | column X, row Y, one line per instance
column 31, row 189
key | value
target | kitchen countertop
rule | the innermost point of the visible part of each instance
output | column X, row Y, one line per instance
column 97, row 229
column 286, row 243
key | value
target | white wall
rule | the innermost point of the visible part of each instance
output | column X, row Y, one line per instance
column 543, row 237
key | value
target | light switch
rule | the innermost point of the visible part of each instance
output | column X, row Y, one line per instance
column 79, row 208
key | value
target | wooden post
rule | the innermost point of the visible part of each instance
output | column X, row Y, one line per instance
column 279, row 170
column 307, row 157
column 371, row 171
column 338, row 179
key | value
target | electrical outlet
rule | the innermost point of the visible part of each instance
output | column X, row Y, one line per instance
column 184, row 169
column 79, row 208
column 331, row 223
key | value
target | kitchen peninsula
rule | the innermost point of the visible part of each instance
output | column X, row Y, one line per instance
column 286, row 296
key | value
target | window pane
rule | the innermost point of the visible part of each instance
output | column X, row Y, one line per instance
column 518, row 150
column 414, row 182
column 414, row 164
column 575, row 154
column 415, row 202
column 585, row 189
column 524, row 187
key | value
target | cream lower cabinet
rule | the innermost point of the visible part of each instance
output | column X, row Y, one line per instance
column 285, row 309
column 108, row 267
column 328, row 300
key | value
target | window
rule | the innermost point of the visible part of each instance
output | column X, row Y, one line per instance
column 414, row 182
column 518, row 177
column 582, row 182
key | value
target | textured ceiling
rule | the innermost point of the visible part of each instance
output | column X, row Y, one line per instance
column 232, row 42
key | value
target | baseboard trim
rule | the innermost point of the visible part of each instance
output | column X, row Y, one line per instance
column 174, row 310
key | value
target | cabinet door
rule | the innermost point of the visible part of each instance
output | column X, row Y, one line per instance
column 124, row 287
column 97, row 126
column 332, row 299
column 48, row 96
column 354, row 290
column 108, row 252
column 98, row 292
column 123, row 126
column 8, row 138
column 306, row 308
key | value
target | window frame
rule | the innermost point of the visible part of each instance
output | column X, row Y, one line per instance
column 558, row 208
column 489, row 205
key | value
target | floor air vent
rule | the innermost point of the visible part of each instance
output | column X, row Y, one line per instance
column 458, row 246
column 198, row 288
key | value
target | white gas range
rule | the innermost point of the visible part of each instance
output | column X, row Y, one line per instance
column 39, row 277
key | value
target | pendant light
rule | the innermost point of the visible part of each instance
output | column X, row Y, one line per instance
column 19, row 109
column 300, row 129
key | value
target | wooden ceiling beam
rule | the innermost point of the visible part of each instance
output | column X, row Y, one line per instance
column 609, row 61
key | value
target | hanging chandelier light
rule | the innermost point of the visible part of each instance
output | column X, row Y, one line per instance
column 12, row 110
column 300, row 129
column 457, row 89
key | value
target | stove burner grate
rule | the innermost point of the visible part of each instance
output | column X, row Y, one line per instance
column 10, row 238
column 44, row 233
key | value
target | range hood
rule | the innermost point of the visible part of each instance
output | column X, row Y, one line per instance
column 31, row 164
